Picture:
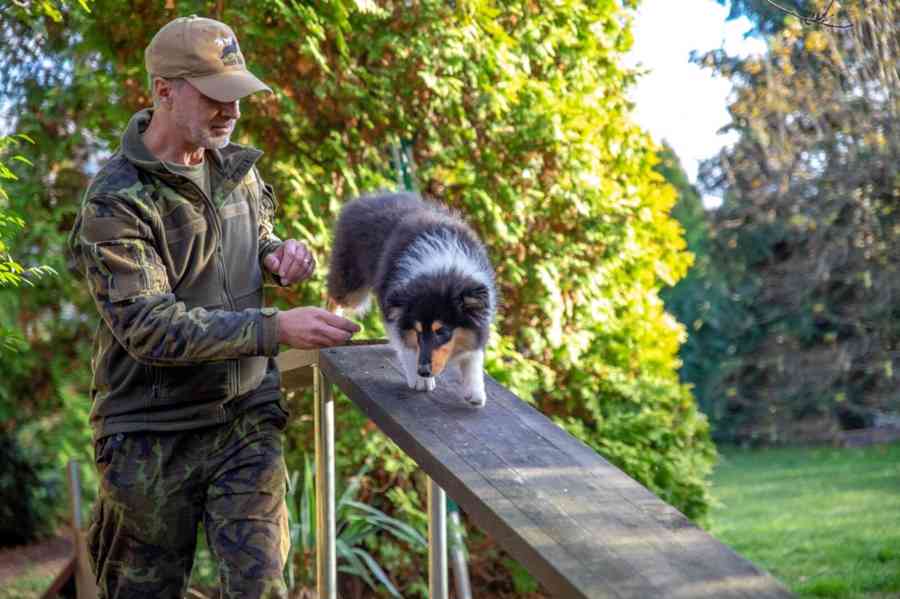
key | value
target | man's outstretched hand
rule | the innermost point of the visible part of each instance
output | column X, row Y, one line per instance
column 312, row 328
column 292, row 262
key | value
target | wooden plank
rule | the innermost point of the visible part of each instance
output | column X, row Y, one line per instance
column 65, row 577
column 577, row 523
column 296, row 358
column 85, row 585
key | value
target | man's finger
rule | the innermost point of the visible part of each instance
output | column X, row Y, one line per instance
column 309, row 266
column 338, row 336
column 272, row 262
column 340, row 322
column 289, row 258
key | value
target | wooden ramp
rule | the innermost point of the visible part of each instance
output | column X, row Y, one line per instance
column 579, row 525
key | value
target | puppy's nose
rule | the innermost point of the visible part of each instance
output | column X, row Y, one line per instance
column 425, row 370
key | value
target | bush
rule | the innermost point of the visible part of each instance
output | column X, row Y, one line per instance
column 26, row 508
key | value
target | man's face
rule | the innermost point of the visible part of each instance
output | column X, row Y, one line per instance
column 202, row 121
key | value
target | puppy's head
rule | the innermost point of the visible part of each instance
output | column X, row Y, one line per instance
column 440, row 320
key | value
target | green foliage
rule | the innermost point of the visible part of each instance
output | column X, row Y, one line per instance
column 766, row 17
column 21, row 519
column 771, row 16
column 807, row 237
column 523, row 582
column 30, row 11
column 12, row 274
column 43, row 406
column 703, row 303
column 357, row 525
column 513, row 113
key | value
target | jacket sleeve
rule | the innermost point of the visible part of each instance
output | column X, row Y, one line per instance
column 268, row 241
column 113, row 247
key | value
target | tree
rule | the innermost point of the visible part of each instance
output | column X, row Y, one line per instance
column 771, row 16
column 807, row 234
column 515, row 114
column 701, row 301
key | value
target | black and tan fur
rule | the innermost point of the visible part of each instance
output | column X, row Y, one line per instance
column 431, row 277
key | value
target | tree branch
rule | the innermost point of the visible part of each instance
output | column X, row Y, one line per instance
column 815, row 19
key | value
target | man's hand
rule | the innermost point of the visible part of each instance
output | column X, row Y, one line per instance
column 313, row 328
column 292, row 262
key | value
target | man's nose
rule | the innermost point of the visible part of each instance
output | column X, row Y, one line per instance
column 231, row 109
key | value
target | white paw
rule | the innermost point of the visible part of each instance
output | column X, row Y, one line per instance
column 423, row 384
column 476, row 397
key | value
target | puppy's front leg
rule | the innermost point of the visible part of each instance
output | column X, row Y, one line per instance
column 408, row 363
column 471, row 366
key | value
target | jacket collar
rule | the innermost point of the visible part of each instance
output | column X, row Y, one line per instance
column 231, row 163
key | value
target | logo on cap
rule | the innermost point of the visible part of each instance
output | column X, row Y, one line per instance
column 230, row 51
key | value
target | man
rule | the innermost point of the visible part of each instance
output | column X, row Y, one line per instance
column 174, row 238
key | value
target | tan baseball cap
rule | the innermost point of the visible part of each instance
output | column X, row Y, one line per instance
column 204, row 52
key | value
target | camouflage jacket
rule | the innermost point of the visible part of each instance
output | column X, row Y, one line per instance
column 183, row 340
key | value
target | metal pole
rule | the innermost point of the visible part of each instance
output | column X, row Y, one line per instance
column 326, row 555
column 437, row 542
column 74, row 494
column 458, row 555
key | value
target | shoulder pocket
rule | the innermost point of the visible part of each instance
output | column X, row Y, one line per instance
column 126, row 269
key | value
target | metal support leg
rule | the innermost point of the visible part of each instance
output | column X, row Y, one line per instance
column 437, row 542
column 326, row 555
column 458, row 553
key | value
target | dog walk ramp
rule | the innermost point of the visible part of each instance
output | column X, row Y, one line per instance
column 577, row 523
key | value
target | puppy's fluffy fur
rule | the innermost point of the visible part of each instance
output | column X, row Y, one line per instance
column 431, row 277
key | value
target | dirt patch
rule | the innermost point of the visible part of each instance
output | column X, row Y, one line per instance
column 44, row 558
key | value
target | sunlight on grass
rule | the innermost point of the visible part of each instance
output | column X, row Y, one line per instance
column 825, row 521
column 29, row 585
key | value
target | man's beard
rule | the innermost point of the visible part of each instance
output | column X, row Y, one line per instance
column 206, row 139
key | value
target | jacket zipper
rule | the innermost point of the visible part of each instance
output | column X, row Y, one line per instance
column 233, row 365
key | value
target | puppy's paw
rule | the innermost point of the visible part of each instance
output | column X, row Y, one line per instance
column 423, row 384
column 476, row 397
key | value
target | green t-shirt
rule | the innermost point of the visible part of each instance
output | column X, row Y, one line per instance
column 197, row 173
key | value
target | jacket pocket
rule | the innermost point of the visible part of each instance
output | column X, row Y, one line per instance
column 188, row 241
column 106, row 447
column 197, row 383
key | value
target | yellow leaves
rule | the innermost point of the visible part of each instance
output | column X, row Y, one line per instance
column 876, row 139
column 753, row 66
column 816, row 41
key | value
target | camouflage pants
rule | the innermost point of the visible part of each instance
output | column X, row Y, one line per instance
column 155, row 488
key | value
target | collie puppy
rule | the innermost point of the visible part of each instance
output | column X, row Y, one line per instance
column 431, row 277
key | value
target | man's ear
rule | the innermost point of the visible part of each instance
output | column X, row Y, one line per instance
column 474, row 299
column 164, row 90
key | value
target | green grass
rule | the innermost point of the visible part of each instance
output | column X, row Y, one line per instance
column 28, row 585
column 824, row 521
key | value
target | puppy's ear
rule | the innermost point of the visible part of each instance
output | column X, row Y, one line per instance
column 394, row 313
column 394, row 306
column 474, row 300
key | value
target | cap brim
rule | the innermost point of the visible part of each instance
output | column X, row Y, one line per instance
column 228, row 86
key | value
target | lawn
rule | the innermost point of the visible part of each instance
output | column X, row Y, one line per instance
column 824, row 521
